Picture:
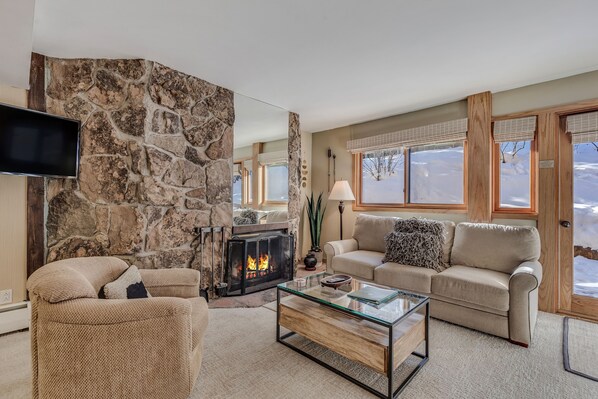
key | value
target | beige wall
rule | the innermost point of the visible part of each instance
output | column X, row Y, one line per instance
column 547, row 94
column 556, row 92
column 13, row 217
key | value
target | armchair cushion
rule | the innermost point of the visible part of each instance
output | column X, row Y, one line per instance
column 127, row 286
column 177, row 282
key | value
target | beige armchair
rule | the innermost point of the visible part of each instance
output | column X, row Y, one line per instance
column 85, row 347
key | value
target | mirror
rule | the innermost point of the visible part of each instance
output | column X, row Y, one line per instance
column 260, row 162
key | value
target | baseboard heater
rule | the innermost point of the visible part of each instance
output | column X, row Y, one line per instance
column 15, row 317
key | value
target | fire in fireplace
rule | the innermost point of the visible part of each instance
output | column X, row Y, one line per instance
column 259, row 261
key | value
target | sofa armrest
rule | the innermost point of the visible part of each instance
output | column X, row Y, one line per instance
column 176, row 282
column 523, row 301
column 333, row 248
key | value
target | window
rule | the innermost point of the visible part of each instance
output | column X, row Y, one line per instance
column 513, row 185
column 431, row 176
column 383, row 177
column 436, row 174
column 514, row 165
column 276, row 182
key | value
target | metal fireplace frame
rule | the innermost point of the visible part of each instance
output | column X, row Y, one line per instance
column 246, row 239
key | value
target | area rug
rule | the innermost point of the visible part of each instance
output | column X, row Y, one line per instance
column 243, row 360
column 580, row 348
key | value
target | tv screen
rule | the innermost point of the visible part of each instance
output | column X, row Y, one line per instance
column 37, row 144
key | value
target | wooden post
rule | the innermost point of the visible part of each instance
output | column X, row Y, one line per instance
column 256, row 177
column 35, row 185
column 479, row 157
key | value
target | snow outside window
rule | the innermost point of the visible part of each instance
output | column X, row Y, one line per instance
column 515, row 174
column 277, row 182
column 383, row 177
column 436, row 174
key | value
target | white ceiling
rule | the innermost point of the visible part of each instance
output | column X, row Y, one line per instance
column 256, row 121
column 16, row 30
column 335, row 62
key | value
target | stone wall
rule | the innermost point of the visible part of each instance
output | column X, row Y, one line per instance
column 295, row 201
column 156, row 158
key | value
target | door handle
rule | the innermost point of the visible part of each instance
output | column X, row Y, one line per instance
column 565, row 223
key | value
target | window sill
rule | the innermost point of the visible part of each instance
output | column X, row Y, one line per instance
column 528, row 215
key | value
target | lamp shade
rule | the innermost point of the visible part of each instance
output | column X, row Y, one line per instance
column 341, row 192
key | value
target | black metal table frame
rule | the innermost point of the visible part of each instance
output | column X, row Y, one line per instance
column 390, row 369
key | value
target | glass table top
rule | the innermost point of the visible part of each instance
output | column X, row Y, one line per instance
column 387, row 313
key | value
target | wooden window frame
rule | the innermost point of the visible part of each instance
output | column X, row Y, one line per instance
column 264, row 188
column 532, row 210
column 245, row 183
column 406, row 206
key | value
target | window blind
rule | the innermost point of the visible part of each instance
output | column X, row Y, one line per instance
column 248, row 164
column 444, row 132
column 583, row 127
column 276, row 157
column 520, row 129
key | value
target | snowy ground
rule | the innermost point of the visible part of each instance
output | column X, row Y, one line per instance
column 585, row 233
column 586, row 277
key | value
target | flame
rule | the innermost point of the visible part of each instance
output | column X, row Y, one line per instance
column 251, row 263
column 263, row 265
column 257, row 265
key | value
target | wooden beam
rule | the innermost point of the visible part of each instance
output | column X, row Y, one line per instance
column 36, row 99
column 479, row 157
column 548, row 209
column 256, row 192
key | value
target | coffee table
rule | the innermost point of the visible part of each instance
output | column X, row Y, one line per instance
column 380, row 337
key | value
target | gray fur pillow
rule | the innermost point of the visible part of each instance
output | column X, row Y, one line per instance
column 414, row 249
column 249, row 214
column 419, row 225
column 238, row 220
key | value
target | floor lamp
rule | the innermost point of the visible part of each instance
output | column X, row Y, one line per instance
column 341, row 192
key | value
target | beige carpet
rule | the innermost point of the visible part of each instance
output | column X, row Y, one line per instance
column 243, row 361
column 583, row 347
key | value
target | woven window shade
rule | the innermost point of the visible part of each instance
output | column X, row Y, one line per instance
column 583, row 127
column 520, row 129
column 444, row 132
column 276, row 157
column 248, row 164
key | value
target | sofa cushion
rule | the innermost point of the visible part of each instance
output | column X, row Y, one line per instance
column 369, row 231
column 414, row 249
column 409, row 278
column 358, row 263
column 483, row 287
column 447, row 243
column 495, row 247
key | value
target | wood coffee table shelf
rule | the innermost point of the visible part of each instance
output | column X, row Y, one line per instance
column 356, row 330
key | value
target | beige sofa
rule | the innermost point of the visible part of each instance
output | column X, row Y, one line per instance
column 491, row 286
column 85, row 347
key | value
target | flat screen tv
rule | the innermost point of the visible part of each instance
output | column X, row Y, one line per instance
column 37, row 144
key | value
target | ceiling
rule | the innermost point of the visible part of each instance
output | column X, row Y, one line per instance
column 335, row 62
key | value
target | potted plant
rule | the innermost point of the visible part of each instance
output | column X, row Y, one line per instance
column 315, row 215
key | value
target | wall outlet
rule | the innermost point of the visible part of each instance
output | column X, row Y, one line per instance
column 5, row 296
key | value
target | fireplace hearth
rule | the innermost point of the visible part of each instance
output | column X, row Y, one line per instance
column 259, row 261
